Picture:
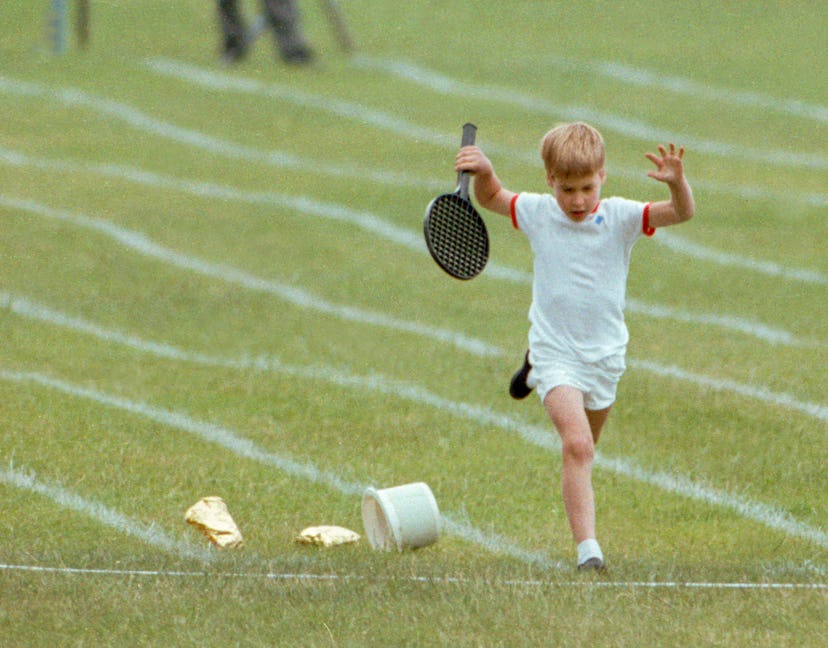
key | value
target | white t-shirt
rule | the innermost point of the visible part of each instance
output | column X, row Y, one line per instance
column 580, row 274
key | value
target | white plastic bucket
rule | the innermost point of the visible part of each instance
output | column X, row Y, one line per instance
column 405, row 517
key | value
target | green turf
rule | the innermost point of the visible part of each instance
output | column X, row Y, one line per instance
column 150, row 349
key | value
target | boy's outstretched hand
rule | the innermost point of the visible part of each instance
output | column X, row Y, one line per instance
column 670, row 170
column 670, row 167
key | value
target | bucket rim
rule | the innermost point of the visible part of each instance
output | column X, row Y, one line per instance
column 391, row 518
column 395, row 534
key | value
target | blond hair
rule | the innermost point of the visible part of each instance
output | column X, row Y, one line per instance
column 572, row 150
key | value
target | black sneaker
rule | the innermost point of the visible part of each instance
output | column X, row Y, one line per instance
column 299, row 54
column 235, row 49
column 518, row 389
column 593, row 564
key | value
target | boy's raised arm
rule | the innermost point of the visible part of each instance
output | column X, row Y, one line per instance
column 488, row 191
column 670, row 170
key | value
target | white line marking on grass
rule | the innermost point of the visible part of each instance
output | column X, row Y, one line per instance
column 27, row 308
column 101, row 513
column 326, row 103
column 428, row 580
column 405, row 237
column 754, row 329
column 205, row 190
column 444, row 84
column 682, row 245
column 72, row 97
column 295, row 295
column 533, row 434
column 366, row 221
column 364, row 114
column 757, row 511
column 759, row 393
column 229, row 440
column 376, row 225
column 645, row 78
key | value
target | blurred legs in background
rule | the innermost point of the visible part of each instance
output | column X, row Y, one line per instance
column 280, row 15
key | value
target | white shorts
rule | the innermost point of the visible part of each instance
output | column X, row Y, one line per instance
column 598, row 381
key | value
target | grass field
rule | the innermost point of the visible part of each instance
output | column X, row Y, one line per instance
column 213, row 282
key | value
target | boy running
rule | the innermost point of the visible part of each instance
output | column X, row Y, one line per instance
column 577, row 334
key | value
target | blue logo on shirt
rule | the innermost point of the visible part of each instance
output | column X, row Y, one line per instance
column 599, row 220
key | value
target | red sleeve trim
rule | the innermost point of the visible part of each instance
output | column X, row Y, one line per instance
column 512, row 211
column 645, row 224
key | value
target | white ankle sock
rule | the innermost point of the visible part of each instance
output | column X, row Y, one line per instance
column 589, row 548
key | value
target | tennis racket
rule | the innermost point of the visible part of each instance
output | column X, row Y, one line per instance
column 455, row 234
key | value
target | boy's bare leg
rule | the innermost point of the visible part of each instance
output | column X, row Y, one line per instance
column 579, row 430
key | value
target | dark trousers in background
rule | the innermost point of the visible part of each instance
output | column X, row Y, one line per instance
column 282, row 17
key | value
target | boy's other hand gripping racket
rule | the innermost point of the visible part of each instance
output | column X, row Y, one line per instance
column 454, row 232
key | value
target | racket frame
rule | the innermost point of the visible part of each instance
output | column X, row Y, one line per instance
column 460, row 201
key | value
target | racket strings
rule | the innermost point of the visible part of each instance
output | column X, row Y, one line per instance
column 458, row 236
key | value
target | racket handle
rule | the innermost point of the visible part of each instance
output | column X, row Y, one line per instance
column 469, row 133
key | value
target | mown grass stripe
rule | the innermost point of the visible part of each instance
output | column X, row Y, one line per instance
column 148, row 533
column 535, row 435
column 769, row 268
column 645, row 78
column 441, row 83
column 72, row 97
column 367, row 115
column 770, row 334
column 246, row 449
column 404, row 237
column 361, row 113
column 300, row 297
column 760, row 393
